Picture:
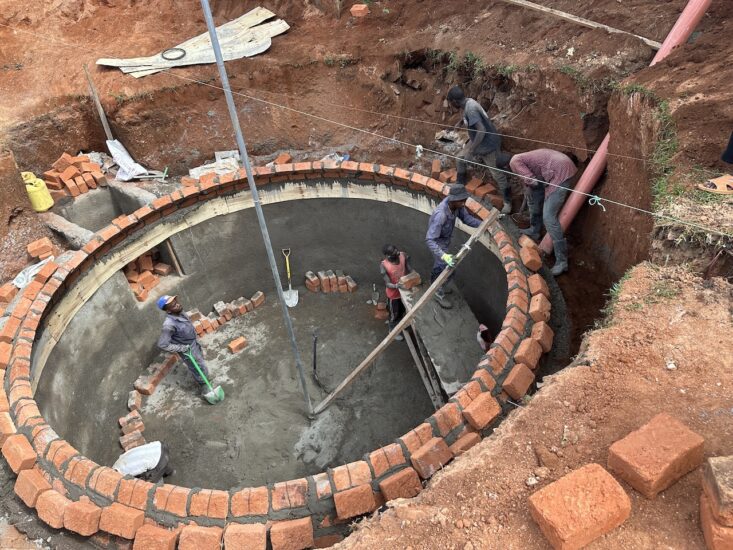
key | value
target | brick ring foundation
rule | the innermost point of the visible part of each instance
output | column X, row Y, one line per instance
column 72, row 492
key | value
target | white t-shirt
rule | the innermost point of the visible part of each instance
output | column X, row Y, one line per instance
column 139, row 460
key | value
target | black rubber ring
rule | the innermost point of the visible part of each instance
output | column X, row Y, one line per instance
column 183, row 54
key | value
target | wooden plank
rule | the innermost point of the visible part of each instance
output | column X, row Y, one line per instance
column 407, row 319
column 582, row 21
column 422, row 369
column 98, row 104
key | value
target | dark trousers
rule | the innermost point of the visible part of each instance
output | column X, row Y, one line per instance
column 162, row 469
column 546, row 211
column 396, row 312
column 438, row 268
column 487, row 159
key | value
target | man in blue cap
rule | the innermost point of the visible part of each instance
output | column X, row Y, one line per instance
column 440, row 230
column 179, row 335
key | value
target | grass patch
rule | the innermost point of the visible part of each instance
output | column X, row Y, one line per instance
column 662, row 187
column 613, row 295
column 591, row 85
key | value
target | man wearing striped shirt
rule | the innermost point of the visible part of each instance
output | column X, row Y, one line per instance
column 547, row 175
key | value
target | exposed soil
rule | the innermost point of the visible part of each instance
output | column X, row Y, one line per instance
column 622, row 381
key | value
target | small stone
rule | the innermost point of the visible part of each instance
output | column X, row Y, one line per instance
column 531, row 481
column 542, row 472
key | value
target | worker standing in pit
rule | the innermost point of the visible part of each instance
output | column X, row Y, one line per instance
column 393, row 267
column 179, row 335
column 440, row 230
column 547, row 175
column 484, row 143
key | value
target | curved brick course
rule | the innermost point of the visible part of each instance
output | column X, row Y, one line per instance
column 72, row 491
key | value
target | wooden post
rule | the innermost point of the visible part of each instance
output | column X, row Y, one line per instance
column 100, row 110
column 407, row 319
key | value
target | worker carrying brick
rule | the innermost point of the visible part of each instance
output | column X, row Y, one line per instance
column 149, row 462
column 179, row 336
column 483, row 145
column 560, row 171
column 440, row 230
column 393, row 267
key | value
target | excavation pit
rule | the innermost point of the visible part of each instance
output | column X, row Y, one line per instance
column 332, row 216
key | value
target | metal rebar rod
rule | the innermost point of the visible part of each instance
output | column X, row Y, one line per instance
column 255, row 195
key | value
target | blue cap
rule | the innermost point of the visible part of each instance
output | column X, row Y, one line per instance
column 164, row 301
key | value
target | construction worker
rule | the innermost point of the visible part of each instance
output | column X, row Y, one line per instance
column 440, row 230
column 179, row 336
column 484, row 143
column 393, row 267
column 149, row 462
column 537, row 169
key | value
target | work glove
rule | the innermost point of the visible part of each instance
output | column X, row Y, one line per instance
column 448, row 258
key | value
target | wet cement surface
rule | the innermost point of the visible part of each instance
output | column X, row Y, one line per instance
column 260, row 433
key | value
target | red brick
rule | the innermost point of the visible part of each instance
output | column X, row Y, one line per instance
column 134, row 400
column 717, row 482
column 50, row 507
column 10, row 330
column 464, row 443
column 447, row 418
column 106, row 481
column 81, row 184
column 238, row 344
column 295, row 534
column 717, row 536
column 580, row 507
column 89, row 180
column 355, row 501
column 435, row 168
column 18, row 453
column 543, row 334
column 258, row 299
column 410, row 280
column 394, row 454
column 82, row 517
column 100, row 179
column 485, row 377
column 120, row 520
column 448, row 176
column 29, row 485
column 537, row 285
column 539, row 308
column 403, row 484
column 351, row 285
column 132, row 440
column 530, row 258
column 245, row 537
column 152, row 537
column 40, row 246
column 62, row 163
column 283, row 158
column 482, row 411
column 656, row 455
column 379, row 462
column 430, row 457
column 7, row 427
column 327, row 541
column 69, row 173
column 528, row 352
column 8, row 292
column 518, row 382
column 194, row 537
column 176, row 502
column 250, row 502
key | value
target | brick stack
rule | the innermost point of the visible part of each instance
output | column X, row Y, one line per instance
column 225, row 312
column 132, row 427
column 154, row 375
column 716, row 502
column 144, row 273
column 41, row 249
column 73, row 176
column 330, row 281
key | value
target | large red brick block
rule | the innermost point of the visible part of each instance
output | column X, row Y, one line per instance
column 528, row 353
column 544, row 335
column 717, row 536
column 29, row 485
column 294, row 534
column 121, row 520
column 530, row 258
column 432, row 455
column 152, row 537
column 82, row 517
column 50, row 507
column 258, row 298
column 482, row 411
column 410, row 280
column 539, row 308
column 656, row 455
column 194, row 537
column 402, row 484
column 250, row 502
column 717, row 482
column 579, row 507
column 245, row 537
column 538, row 285
column 359, row 10
column 518, row 382
column 355, row 501
column 464, row 443
column 237, row 345
column 7, row 427
column 18, row 453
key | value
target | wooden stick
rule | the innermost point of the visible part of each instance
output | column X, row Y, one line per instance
column 100, row 110
column 407, row 319
column 174, row 258
column 582, row 21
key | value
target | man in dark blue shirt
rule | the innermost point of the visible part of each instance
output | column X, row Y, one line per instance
column 440, row 230
column 484, row 143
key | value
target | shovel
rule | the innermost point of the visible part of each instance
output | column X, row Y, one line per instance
column 290, row 295
column 214, row 395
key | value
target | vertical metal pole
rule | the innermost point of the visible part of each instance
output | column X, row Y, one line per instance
column 255, row 195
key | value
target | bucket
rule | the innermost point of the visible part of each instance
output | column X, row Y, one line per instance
column 37, row 192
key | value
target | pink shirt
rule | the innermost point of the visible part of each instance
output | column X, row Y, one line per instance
column 545, row 165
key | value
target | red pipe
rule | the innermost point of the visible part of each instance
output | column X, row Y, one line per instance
column 686, row 23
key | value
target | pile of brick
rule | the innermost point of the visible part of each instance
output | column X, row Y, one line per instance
column 73, row 176
column 144, row 273
column 148, row 382
column 132, row 427
column 587, row 503
column 716, row 502
column 42, row 249
column 475, row 186
column 408, row 282
column 330, row 281
column 224, row 312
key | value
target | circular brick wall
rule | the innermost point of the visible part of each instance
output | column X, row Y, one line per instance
column 70, row 491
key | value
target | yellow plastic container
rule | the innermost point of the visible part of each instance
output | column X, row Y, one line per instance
column 37, row 192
